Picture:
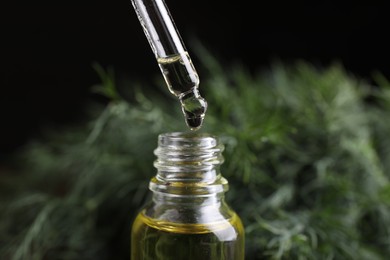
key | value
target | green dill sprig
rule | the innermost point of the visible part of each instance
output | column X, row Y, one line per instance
column 307, row 158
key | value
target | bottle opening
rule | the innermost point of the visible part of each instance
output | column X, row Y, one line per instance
column 188, row 163
column 185, row 140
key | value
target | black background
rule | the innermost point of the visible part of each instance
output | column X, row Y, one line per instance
column 48, row 48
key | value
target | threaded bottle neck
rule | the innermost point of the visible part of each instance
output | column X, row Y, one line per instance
column 188, row 164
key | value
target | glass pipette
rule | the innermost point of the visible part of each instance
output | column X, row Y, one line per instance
column 173, row 58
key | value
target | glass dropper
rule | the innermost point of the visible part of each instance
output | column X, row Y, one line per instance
column 173, row 58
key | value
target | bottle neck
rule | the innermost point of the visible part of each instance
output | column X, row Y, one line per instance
column 189, row 201
column 188, row 166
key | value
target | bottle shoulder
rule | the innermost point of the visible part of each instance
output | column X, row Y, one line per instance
column 189, row 212
column 229, row 228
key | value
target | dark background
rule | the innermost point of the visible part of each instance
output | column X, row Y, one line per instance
column 48, row 48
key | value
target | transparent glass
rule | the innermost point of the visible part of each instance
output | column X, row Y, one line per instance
column 188, row 217
column 172, row 58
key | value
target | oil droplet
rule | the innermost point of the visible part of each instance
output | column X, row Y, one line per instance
column 194, row 108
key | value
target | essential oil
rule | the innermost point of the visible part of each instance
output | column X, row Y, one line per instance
column 182, row 81
column 155, row 239
column 188, row 217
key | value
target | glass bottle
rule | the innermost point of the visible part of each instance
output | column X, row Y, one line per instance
column 188, row 217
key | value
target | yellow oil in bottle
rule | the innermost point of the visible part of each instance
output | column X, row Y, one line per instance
column 160, row 240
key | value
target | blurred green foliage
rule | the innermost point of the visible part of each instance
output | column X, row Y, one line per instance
column 307, row 158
